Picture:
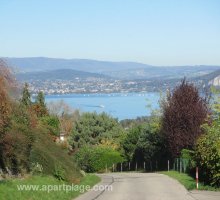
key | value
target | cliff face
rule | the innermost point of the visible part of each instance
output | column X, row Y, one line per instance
column 215, row 81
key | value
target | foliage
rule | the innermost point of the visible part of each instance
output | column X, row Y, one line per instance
column 93, row 129
column 16, row 149
column 184, row 112
column 187, row 157
column 26, row 96
column 150, row 143
column 207, row 154
column 129, row 143
column 129, row 123
column 40, row 99
column 54, row 160
column 25, row 138
column 144, row 142
column 52, row 124
column 59, row 172
column 39, row 107
column 96, row 158
column 36, row 168
column 17, row 141
column 65, row 114
column 5, row 107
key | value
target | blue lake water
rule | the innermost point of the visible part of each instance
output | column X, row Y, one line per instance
column 121, row 106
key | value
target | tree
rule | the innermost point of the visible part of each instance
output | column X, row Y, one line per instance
column 5, row 111
column 183, row 114
column 41, row 99
column 5, row 107
column 207, row 151
column 67, row 116
column 26, row 96
column 7, row 77
column 207, row 154
column 150, row 143
column 39, row 106
column 93, row 129
column 130, row 142
column 145, row 142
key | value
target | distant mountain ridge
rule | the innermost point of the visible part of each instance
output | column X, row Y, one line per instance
column 118, row 70
column 43, row 63
column 59, row 74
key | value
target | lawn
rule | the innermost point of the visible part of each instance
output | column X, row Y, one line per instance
column 188, row 181
column 9, row 189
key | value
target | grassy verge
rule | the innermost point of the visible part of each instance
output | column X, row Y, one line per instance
column 187, row 181
column 9, row 189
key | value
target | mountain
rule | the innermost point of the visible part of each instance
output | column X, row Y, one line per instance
column 118, row 70
column 209, row 79
column 43, row 63
column 60, row 74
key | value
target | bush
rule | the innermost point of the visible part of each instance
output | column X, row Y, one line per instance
column 53, row 159
column 17, row 142
column 36, row 168
column 188, row 162
column 95, row 159
column 52, row 124
column 207, row 155
column 93, row 128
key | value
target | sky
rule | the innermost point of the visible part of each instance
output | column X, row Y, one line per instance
column 155, row 32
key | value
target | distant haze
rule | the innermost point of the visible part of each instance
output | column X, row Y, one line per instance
column 120, row 70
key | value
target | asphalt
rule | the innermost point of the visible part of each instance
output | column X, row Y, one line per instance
column 143, row 186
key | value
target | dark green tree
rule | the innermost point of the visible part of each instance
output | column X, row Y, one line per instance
column 96, row 129
column 130, row 142
column 26, row 96
column 144, row 142
column 39, row 106
column 41, row 99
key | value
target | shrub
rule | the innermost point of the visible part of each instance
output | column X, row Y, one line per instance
column 93, row 128
column 52, row 124
column 36, row 168
column 207, row 155
column 187, row 158
column 17, row 142
column 54, row 160
column 96, row 158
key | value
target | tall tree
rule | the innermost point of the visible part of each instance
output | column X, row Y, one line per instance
column 40, row 107
column 183, row 114
column 5, row 111
column 26, row 96
column 41, row 99
column 5, row 107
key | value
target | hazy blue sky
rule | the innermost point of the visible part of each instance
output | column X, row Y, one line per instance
column 157, row 32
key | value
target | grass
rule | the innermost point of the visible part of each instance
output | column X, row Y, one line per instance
column 9, row 190
column 187, row 181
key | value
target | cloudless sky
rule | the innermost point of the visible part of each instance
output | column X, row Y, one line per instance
column 157, row 32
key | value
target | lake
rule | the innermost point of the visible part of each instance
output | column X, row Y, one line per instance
column 118, row 105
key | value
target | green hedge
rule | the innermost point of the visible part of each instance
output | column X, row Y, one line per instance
column 96, row 158
column 207, row 155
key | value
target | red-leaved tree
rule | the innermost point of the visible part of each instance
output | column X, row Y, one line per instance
column 184, row 111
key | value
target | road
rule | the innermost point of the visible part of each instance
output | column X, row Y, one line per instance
column 142, row 186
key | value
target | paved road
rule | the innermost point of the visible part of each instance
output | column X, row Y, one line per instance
column 143, row 186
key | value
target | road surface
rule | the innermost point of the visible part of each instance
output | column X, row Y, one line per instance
column 138, row 186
